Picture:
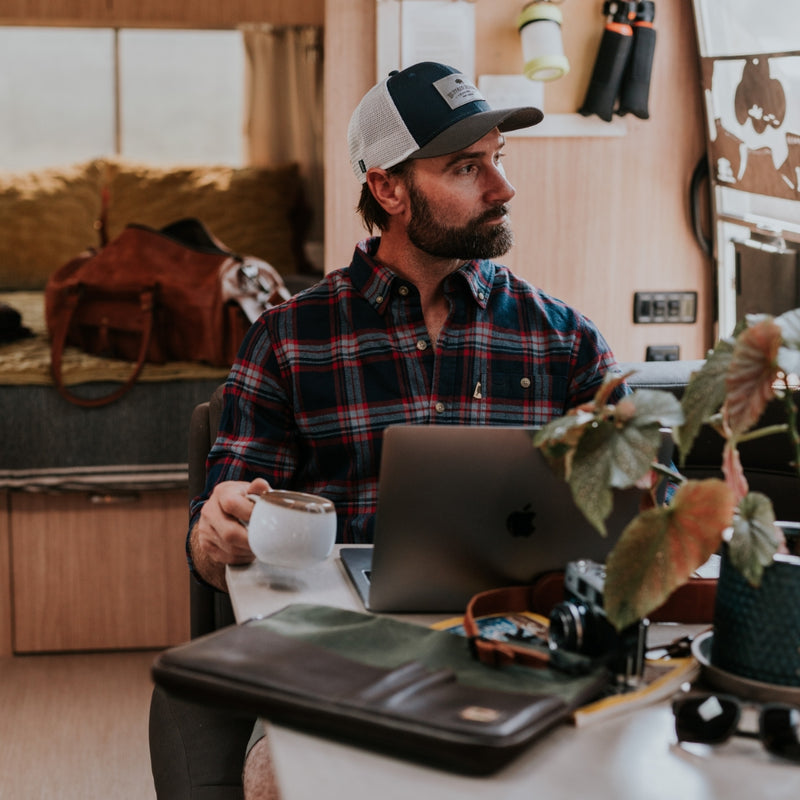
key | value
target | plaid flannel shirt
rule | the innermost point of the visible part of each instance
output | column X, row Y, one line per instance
column 319, row 377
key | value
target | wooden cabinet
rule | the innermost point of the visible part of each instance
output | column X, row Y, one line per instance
column 96, row 572
column 5, row 577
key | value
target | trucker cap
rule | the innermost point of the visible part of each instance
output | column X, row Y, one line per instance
column 425, row 110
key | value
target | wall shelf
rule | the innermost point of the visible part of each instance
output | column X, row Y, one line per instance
column 572, row 125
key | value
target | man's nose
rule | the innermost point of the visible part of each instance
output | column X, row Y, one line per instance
column 500, row 189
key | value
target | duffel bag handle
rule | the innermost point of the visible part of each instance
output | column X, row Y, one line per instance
column 59, row 338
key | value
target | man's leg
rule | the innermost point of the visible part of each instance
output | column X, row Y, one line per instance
column 196, row 751
column 259, row 774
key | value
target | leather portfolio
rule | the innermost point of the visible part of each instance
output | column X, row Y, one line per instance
column 401, row 689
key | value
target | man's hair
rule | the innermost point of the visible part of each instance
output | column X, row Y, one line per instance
column 372, row 212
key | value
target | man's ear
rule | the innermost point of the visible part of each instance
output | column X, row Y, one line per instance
column 389, row 190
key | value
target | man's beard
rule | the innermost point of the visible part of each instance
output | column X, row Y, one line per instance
column 476, row 239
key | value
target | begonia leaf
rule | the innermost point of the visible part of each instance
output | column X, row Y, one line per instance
column 611, row 381
column 654, row 406
column 751, row 374
column 789, row 352
column 703, row 396
column 590, row 477
column 662, row 547
column 755, row 538
column 558, row 439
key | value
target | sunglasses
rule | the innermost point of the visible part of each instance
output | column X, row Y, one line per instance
column 714, row 718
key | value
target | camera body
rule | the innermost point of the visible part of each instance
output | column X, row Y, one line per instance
column 579, row 623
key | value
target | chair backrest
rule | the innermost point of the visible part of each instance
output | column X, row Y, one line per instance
column 202, row 432
column 209, row 608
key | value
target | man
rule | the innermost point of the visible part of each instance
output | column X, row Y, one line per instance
column 421, row 327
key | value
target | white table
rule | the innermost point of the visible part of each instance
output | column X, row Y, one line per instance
column 633, row 757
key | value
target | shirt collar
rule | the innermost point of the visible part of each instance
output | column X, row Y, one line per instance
column 369, row 276
column 374, row 280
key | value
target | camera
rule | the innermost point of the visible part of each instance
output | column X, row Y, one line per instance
column 579, row 623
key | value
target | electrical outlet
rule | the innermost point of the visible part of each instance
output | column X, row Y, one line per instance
column 663, row 352
column 661, row 307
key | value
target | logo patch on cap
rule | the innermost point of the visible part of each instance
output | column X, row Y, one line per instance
column 457, row 90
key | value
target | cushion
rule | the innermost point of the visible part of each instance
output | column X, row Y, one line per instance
column 253, row 210
column 48, row 217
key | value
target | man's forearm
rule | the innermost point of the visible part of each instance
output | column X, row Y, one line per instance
column 207, row 568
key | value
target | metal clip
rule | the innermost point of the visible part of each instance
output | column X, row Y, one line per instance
column 253, row 275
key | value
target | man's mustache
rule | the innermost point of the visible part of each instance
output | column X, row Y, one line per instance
column 493, row 213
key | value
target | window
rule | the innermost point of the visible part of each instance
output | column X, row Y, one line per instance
column 178, row 98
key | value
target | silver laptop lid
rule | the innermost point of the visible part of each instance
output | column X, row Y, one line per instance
column 462, row 509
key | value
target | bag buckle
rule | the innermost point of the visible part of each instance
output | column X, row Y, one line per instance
column 253, row 275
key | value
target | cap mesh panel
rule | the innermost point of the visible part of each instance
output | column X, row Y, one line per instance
column 377, row 134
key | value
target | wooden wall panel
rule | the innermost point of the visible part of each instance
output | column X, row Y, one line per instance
column 596, row 219
column 349, row 73
column 161, row 13
column 94, row 576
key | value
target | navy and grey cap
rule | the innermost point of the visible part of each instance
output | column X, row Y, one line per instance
column 425, row 110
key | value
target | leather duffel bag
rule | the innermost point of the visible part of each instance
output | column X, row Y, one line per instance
column 172, row 294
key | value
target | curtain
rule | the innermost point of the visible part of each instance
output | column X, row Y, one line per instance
column 284, row 111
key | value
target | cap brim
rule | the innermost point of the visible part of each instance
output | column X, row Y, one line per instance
column 467, row 131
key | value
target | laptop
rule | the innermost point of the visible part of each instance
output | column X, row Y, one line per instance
column 462, row 509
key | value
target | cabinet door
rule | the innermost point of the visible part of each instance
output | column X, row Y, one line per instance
column 5, row 578
column 94, row 572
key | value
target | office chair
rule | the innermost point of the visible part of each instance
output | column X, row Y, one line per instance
column 197, row 752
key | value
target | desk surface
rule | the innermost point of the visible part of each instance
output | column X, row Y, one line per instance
column 633, row 757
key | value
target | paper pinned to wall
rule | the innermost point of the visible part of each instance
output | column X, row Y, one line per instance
column 410, row 31
column 768, row 26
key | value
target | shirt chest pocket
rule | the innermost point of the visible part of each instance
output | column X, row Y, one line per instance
column 519, row 397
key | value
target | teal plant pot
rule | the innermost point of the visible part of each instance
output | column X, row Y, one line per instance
column 757, row 630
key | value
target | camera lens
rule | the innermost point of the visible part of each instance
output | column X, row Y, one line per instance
column 568, row 626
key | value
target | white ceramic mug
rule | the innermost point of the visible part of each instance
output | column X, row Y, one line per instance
column 291, row 529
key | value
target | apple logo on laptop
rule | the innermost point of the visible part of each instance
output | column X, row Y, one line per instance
column 521, row 523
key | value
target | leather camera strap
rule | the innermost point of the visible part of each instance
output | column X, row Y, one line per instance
column 511, row 599
column 692, row 603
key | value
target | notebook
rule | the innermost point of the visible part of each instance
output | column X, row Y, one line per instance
column 462, row 509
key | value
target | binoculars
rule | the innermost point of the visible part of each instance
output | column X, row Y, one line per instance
column 624, row 62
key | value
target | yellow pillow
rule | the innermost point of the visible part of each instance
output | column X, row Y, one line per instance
column 47, row 217
column 253, row 210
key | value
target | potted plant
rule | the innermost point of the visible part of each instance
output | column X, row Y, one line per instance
column 601, row 447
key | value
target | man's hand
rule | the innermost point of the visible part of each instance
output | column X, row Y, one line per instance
column 219, row 536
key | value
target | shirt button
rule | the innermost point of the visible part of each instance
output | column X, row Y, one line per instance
column 403, row 291
column 525, row 383
column 481, row 296
column 439, row 408
column 379, row 298
column 422, row 345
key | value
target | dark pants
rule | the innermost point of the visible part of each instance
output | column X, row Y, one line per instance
column 196, row 752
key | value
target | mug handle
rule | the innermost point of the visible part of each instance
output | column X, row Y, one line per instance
column 252, row 497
